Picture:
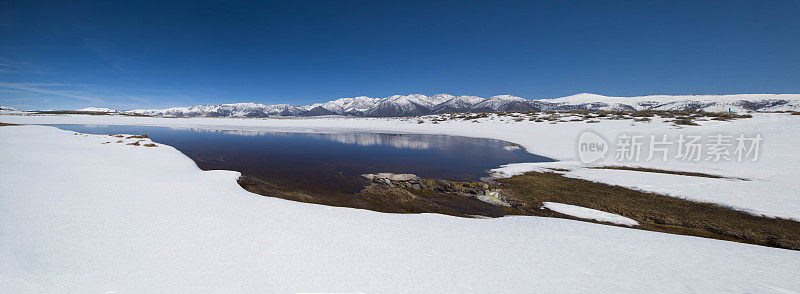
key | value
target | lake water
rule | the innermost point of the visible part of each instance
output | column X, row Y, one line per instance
column 317, row 162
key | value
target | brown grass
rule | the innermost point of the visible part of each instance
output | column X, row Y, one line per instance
column 653, row 211
column 525, row 193
column 150, row 145
column 684, row 121
column 2, row 124
column 431, row 196
column 138, row 137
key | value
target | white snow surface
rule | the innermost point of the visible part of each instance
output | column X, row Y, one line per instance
column 771, row 189
column 588, row 213
column 77, row 215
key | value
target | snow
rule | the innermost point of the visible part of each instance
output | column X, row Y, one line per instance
column 77, row 215
column 588, row 213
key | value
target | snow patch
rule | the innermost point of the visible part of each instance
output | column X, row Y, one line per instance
column 588, row 213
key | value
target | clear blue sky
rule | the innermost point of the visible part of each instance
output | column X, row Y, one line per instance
column 133, row 54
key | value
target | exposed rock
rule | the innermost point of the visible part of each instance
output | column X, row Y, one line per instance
column 390, row 176
column 493, row 197
column 414, row 184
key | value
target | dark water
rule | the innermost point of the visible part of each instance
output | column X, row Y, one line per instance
column 329, row 162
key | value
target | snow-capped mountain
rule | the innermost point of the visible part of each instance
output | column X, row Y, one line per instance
column 711, row 103
column 341, row 106
column 404, row 105
column 11, row 110
column 96, row 109
column 417, row 104
column 458, row 104
column 231, row 110
column 505, row 103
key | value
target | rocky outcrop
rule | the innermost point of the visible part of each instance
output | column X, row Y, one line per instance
column 414, row 184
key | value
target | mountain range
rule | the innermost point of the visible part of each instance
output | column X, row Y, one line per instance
column 417, row 104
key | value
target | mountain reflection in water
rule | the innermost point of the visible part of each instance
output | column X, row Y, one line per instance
column 363, row 139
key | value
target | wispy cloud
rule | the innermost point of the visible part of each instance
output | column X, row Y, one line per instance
column 6, row 64
column 6, row 67
column 42, row 88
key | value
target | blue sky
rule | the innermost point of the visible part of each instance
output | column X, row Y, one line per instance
column 140, row 54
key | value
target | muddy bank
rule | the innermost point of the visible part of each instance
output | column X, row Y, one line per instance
column 413, row 195
column 524, row 194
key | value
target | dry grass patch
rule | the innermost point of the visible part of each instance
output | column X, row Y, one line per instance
column 684, row 121
column 428, row 196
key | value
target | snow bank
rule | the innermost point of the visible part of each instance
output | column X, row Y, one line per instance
column 78, row 215
column 588, row 213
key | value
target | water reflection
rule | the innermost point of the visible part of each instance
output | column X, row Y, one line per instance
column 366, row 139
column 411, row 141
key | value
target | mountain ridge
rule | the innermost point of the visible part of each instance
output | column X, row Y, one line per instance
column 418, row 104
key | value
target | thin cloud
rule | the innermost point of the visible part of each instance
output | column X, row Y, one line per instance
column 39, row 88
column 3, row 64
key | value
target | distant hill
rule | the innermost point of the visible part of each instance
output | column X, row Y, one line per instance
column 417, row 104
column 96, row 109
